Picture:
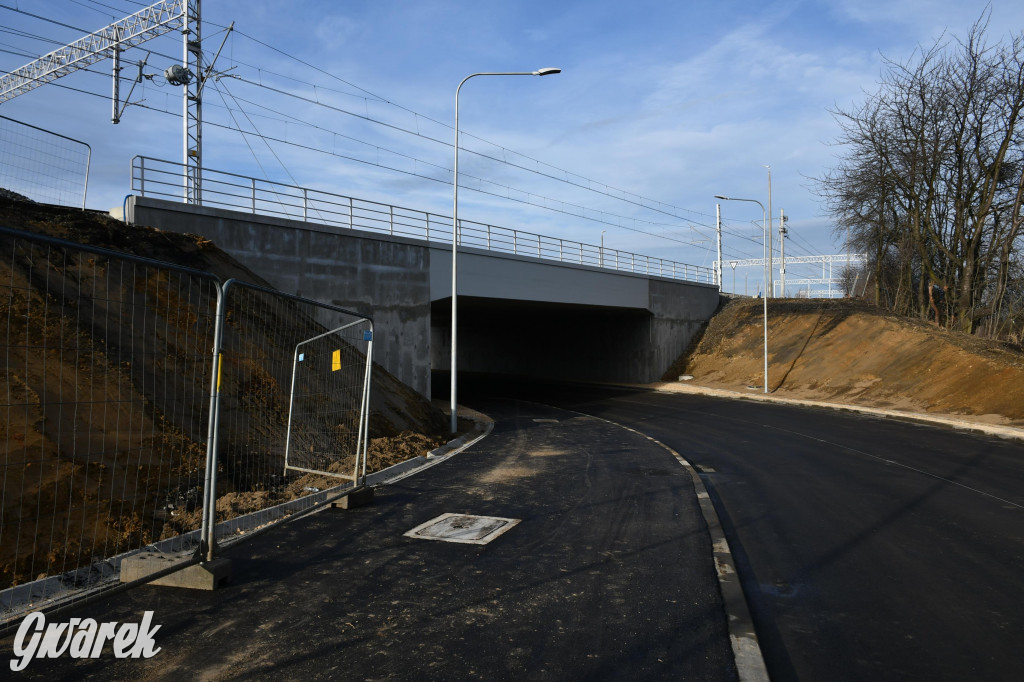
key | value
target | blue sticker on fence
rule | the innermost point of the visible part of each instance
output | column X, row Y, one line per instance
column 302, row 356
column 367, row 335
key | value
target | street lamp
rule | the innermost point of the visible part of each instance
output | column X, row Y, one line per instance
column 764, row 292
column 455, row 215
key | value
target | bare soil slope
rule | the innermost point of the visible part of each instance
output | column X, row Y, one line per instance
column 81, row 493
column 847, row 351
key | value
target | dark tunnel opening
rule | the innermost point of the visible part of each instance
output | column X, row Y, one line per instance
column 539, row 340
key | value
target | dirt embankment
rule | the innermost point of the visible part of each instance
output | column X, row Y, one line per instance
column 65, row 467
column 848, row 351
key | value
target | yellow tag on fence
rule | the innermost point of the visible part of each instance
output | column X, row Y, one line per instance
column 336, row 361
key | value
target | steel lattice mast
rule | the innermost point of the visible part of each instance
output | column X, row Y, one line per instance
column 133, row 30
column 153, row 21
column 192, row 114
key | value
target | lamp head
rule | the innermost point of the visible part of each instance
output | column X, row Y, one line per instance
column 546, row 71
column 719, row 196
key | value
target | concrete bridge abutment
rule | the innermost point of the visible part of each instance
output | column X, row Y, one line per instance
column 518, row 315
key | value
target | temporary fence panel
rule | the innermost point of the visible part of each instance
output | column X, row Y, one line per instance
column 330, row 378
column 293, row 401
column 42, row 165
column 105, row 402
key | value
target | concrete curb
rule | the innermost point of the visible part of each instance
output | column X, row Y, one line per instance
column 960, row 424
column 483, row 427
column 746, row 650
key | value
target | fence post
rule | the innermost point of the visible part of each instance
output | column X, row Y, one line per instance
column 350, row 213
column 88, row 164
column 252, row 182
column 538, row 246
column 488, row 237
column 515, row 242
column 561, row 247
column 391, row 211
column 142, row 176
column 209, row 520
column 305, row 204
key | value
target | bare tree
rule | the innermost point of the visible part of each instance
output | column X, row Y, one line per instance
column 930, row 178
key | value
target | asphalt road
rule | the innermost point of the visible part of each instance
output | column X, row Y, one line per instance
column 869, row 549
column 608, row 575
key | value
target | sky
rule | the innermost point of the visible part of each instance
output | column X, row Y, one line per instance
column 660, row 106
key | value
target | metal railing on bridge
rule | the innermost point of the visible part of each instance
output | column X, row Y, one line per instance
column 164, row 179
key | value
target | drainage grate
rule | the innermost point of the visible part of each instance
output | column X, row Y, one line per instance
column 464, row 528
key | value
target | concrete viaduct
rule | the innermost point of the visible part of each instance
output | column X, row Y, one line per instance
column 518, row 314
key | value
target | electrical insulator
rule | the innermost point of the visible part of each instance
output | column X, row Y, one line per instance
column 176, row 74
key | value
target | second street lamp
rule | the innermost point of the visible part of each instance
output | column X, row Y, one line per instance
column 455, row 219
column 764, row 291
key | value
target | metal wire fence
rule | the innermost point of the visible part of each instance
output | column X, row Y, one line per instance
column 42, row 165
column 146, row 406
column 293, row 404
column 105, row 361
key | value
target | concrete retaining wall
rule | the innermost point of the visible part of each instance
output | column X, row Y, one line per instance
column 385, row 278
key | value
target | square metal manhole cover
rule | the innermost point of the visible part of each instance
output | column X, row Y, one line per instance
column 464, row 528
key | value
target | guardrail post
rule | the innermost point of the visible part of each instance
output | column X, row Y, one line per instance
column 632, row 262
column 391, row 212
column 252, row 183
column 350, row 214
column 427, row 223
column 305, row 204
column 538, row 246
column 515, row 242
column 142, row 176
column 561, row 247
column 488, row 237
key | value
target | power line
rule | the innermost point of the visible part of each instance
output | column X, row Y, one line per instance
column 504, row 149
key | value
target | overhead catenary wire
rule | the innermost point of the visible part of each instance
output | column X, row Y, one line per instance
column 487, row 187
column 507, row 188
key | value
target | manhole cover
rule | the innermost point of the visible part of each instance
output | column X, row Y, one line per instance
column 464, row 528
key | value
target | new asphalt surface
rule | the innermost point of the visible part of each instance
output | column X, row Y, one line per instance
column 869, row 549
column 608, row 575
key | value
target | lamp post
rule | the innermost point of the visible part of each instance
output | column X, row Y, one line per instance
column 764, row 292
column 455, row 217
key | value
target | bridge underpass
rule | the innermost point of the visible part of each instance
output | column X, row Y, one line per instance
column 538, row 339
column 519, row 314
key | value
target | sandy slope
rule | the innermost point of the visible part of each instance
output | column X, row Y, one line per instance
column 847, row 351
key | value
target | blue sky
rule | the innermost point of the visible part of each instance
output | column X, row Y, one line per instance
column 668, row 102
